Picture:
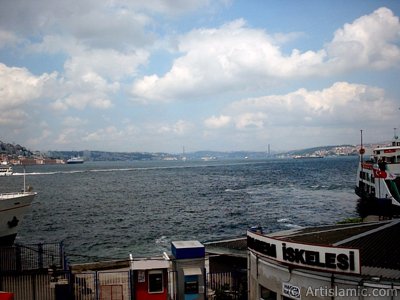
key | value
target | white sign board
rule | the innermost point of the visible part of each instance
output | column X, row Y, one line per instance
column 323, row 258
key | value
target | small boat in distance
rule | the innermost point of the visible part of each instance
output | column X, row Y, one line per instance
column 13, row 207
column 378, row 178
column 5, row 169
column 75, row 160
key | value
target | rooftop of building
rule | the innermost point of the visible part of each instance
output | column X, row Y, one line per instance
column 378, row 242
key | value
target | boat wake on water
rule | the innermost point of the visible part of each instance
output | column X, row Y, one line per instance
column 46, row 173
column 286, row 222
column 72, row 172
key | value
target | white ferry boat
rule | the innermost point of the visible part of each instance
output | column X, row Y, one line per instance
column 13, row 207
column 5, row 169
column 75, row 160
column 378, row 178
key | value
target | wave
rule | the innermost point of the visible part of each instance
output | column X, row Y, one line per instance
column 233, row 191
column 283, row 220
column 293, row 226
column 163, row 240
column 287, row 223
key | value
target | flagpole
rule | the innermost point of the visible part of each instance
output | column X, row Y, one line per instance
column 362, row 151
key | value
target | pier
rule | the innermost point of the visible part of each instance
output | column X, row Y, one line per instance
column 251, row 267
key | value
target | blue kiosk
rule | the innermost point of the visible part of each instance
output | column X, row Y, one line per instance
column 189, row 267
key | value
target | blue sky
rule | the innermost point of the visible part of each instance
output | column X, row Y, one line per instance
column 207, row 75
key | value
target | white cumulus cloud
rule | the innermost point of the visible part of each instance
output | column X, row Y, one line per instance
column 342, row 104
column 371, row 40
column 217, row 122
column 236, row 57
column 18, row 86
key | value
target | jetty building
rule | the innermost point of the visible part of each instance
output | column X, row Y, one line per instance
column 353, row 261
column 350, row 261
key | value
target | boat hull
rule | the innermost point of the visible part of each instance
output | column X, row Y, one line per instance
column 13, row 208
column 6, row 173
column 377, row 190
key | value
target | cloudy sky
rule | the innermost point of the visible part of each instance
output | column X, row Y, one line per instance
column 157, row 75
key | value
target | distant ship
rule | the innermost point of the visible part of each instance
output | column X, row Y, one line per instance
column 75, row 160
column 13, row 207
column 378, row 178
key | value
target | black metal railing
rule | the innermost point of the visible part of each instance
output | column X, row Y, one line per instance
column 33, row 257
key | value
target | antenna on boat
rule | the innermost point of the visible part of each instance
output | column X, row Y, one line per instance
column 395, row 133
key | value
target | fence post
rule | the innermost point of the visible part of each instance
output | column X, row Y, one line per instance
column 18, row 258
column 96, row 283
column 40, row 256
column 33, row 282
column 63, row 259
column 205, row 284
column 132, row 284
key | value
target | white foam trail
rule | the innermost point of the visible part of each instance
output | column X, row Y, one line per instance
column 283, row 220
column 294, row 226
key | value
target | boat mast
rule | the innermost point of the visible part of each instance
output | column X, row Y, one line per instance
column 24, row 180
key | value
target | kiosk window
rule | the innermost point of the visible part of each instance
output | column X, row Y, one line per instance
column 156, row 282
column 267, row 294
column 191, row 287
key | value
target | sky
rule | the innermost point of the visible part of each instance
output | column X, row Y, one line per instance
column 222, row 75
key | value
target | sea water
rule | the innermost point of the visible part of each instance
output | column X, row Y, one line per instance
column 106, row 210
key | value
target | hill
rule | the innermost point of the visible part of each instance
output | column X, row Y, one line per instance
column 325, row 151
column 14, row 151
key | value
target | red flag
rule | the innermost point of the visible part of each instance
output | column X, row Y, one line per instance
column 379, row 173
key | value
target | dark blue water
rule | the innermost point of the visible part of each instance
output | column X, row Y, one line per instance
column 106, row 210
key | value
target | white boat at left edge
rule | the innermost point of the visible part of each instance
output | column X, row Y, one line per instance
column 5, row 169
column 13, row 207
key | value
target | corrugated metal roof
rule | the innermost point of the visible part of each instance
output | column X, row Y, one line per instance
column 329, row 235
column 381, row 272
column 380, row 248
